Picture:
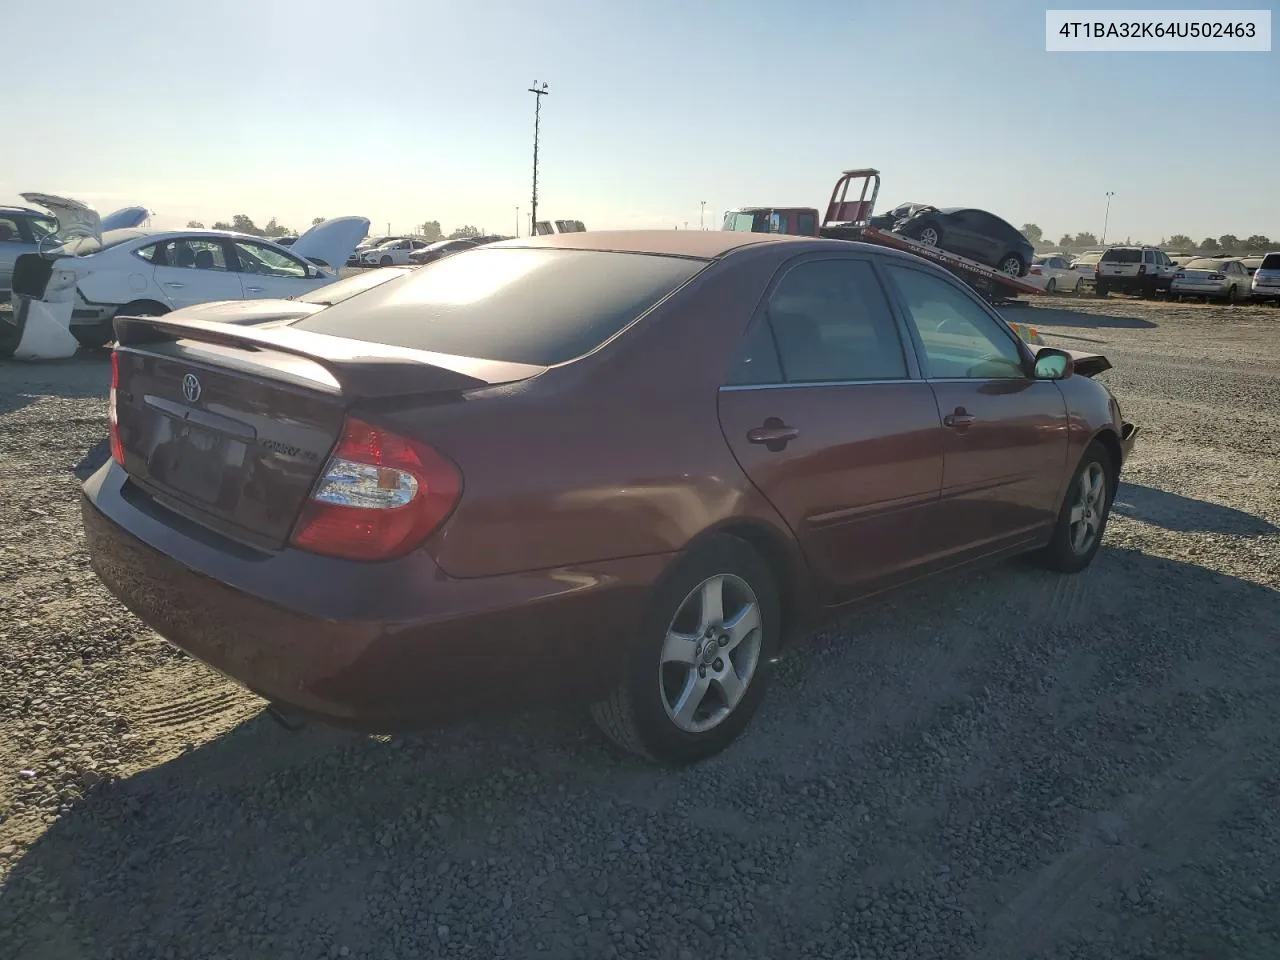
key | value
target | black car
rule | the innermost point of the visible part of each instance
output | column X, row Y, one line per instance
column 971, row 233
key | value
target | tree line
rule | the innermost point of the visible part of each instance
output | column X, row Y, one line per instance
column 242, row 223
column 1227, row 243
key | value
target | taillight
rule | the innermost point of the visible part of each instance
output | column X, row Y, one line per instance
column 1035, row 271
column 1217, row 276
column 117, row 448
column 381, row 495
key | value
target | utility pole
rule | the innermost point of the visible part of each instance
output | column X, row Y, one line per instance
column 517, row 221
column 1102, row 241
column 702, row 214
column 539, row 91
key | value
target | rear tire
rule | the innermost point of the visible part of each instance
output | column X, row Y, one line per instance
column 1232, row 298
column 928, row 233
column 1012, row 265
column 678, row 704
column 385, row 261
column 1100, row 290
column 98, row 335
column 1052, row 287
column 1082, row 520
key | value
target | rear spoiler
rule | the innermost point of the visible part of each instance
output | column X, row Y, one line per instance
column 1085, row 364
column 364, row 370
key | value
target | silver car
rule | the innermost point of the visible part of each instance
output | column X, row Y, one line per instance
column 1266, row 279
column 21, row 230
column 1212, row 277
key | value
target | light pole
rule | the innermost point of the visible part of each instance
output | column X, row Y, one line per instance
column 539, row 91
column 1106, row 219
column 517, row 221
column 702, row 214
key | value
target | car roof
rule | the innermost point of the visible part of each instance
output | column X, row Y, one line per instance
column 706, row 244
column 28, row 211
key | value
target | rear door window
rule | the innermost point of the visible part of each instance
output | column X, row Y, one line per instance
column 831, row 322
column 10, row 232
column 521, row 304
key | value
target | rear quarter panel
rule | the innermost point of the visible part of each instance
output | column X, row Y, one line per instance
column 116, row 277
column 618, row 454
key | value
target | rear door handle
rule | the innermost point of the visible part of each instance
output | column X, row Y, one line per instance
column 960, row 418
column 253, row 289
column 174, row 284
column 774, row 434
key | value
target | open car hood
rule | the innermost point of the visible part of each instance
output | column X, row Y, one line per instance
column 248, row 313
column 77, row 220
column 333, row 241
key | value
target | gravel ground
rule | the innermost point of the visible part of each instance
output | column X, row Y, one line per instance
column 1014, row 765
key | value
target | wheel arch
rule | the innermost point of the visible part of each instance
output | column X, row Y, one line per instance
column 1110, row 441
column 784, row 558
column 161, row 308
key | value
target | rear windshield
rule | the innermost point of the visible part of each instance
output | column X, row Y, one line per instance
column 1202, row 263
column 517, row 304
column 1123, row 256
column 1088, row 258
column 1270, row 262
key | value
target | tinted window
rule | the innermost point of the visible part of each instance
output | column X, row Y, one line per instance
column 1123, row 256
column 757, row 360
column 9, row 232
column 519, row 304
column 831, row 321
column 192, row 253
column 1270, row 262
column 961, row 340
column 806, row 224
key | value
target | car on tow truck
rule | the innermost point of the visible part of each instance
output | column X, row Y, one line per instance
column 417, row 503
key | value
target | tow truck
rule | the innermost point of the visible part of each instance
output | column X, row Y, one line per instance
column 849, row 218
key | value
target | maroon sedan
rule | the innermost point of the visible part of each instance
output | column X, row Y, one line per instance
column 621, row 467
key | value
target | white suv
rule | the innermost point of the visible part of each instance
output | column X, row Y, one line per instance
column 1144, row 271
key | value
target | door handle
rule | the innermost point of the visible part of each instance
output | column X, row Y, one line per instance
column 253, row 289
column 174, row 283
column 960, row 419
column 774, row 434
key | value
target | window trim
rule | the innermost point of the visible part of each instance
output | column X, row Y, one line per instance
column 915, row 372
column 900, row 305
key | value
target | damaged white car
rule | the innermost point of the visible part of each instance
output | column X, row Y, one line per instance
column 67, row 294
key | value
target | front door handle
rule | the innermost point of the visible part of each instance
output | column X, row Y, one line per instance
column 774, row 434
column 174, row 284
column 253, row 289
column 960, row 419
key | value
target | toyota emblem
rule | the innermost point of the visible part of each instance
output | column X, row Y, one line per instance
column 191, row 388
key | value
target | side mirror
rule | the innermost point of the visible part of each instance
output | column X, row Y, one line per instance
column 1053, row 364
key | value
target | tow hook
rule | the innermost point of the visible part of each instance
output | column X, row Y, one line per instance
column 289, row 721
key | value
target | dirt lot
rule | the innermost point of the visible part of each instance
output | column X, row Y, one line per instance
column 1015, row 765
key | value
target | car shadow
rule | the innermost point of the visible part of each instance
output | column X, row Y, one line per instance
column 1060, row 317
column 1185, row 515
column 516, row 828
column 87, row 375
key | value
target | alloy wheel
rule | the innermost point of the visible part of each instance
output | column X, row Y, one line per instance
column 710, row 653
column 1089, row 509
column 929, row 237
column 1012, row 266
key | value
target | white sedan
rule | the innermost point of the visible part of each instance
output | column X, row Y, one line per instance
column 393, row 253
column 1052, row 273
column 70, row 293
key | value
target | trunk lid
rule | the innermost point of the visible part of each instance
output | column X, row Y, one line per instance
column 231, row 426
column 332, row 241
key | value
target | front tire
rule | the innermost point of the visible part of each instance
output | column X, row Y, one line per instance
column 929, row 234
column 1052, row 287
column 385, row 261
column 1082, row 521
column 698, row 669
column 1012, row 265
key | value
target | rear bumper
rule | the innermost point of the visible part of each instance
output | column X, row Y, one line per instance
column 378, row 647
column 1200, row 289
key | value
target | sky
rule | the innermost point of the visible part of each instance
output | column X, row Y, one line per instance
column 406, row 111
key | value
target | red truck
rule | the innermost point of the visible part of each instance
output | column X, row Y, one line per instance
column 848, row 218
